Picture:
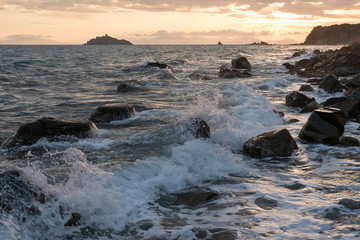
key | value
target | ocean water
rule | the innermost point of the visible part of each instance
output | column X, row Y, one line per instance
column 124, row 181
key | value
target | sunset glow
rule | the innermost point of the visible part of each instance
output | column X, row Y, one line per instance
column 169, row 22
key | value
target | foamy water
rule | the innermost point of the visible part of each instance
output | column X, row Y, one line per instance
column 123, row 182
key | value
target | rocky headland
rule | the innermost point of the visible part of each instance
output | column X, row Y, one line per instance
column 334, row 35
column 107, row 40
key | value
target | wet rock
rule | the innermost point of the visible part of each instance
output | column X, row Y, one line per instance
column 128, row 87
column 145, row 224
column 314, row 81
column 280, row 114
column 352, row 93
column 295, row 186
column 349, row 106
column 353, row 82
column 331, row 84
column 297, row 99
column 247, row 212
column 349, row 203
column 240, row 62
column 112, row 112
column 289, row 67
column 348, row 141
column 74, row 220
column 48, row 127
column 298, row 53
column 232, row 73
column 266, row 203
column 293, row 120
column 159, row 65
column 306, row 88
column 199, row 76
column 324, row 126
column 18, row 195
column 271, row 144
column 311, row 107
column 200, row 129
column 223, row 234
column 193, row 199
column 334, row 214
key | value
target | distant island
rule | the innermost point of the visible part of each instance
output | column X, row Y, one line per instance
column 260, row 43
column 334, row 35
column 107, row 40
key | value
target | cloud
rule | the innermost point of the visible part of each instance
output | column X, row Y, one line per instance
column 28, row 39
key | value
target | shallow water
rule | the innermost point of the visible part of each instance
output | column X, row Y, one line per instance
column 129, row 174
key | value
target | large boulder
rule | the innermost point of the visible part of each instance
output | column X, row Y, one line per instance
column 271, row 144
column 232, row 73
column 49, row 127
column 348, row 105
column 111, row 112
column 331, row 84
column 310, row 107
column 353, row 82
column 306, row 88
column 324, row 126
column 240, row 62
column 297, row 99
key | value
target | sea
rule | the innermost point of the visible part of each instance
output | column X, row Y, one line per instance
column 124, row 182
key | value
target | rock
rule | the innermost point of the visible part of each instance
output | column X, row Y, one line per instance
column 260, row 43
column 232, row 73
column 302, row 63
column 193, row 199
column 349, row 106
column 17, row 194
column 200, row 129
column 348, row 141
column 48, row 127
column 266, row 203
column 324, row 126
column 314, row 81
column 306, row 88
column 297, row 99
column 295, row 186
column 353, row 82
column 334, row 214
column 240, row 62
column 280, row 114
column 334, row 35
column 219, row 43
column 352, row 93
column 74, row 220
column 199, row 76
column 289, row 67
column 293, row 120
column 310, row 107
column 159, row 65
column 128, row 87
column 331, row 84
column 333, row 116
column 247, row 212
column 145, row 224
column 107, row 40
column 298, row 53
column 271, row 144
column 223, row 234
column 349, row 203
column 112, row 112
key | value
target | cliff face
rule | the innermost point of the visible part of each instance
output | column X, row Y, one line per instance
column 334, row 35
column 107, row 40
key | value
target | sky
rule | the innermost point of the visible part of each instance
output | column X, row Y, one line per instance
column 169, row 21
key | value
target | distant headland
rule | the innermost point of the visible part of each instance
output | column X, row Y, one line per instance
column 334, row 35
column 107, row 40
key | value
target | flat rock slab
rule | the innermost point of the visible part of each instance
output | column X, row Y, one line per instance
column 112, row 112
column 266, row 203
column 48, row 127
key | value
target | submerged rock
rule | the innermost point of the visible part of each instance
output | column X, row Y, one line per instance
column 348, row 141
column 349, row 203
column 232, row 73
column 247, row 212
column 334, row 214
column 18, row 194
column 271, row 144
column 193, row 199
column 295, row 186
column 266, row 203
column 112, row 112
column 240, row 62
column 128, row 87
column 297, row 99
column 200, row 129
column 331, row 84
column 48, row 127
column 159, row 65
